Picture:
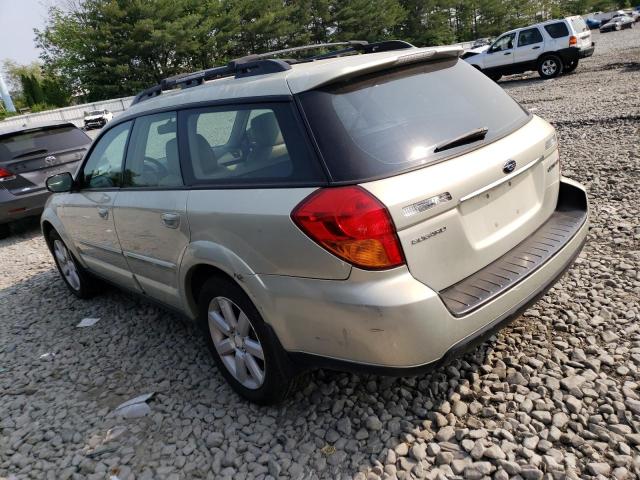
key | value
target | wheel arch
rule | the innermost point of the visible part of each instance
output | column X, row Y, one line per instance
column 204, row 259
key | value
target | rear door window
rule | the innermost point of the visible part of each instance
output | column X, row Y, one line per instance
column 557, row 30
column 247, row 145
column 41, row 141
column 393, row 121
column 530, row 36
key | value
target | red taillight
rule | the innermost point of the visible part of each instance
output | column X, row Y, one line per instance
column 353, row 225
column 5, row 174
column 573, row 41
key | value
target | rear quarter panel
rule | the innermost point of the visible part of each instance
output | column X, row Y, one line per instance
column 250, row 231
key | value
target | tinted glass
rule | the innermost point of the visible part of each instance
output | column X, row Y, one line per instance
column 104, row 166
column 392, row 121
column 216, row 127
column 557, row 30
column 529, row 37
column 41, row 141
column 263, row 145
column 152, row 158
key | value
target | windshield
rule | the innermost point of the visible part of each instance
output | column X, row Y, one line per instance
column 393, row 121
column 97, row 112
column 41, row 141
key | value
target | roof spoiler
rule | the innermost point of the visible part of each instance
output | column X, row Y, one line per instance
column 420, row 56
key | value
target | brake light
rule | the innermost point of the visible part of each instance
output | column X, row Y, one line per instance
column 353, row 225
column 5, row 174
column 573, row 41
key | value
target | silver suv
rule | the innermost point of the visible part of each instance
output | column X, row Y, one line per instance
column 379, row 207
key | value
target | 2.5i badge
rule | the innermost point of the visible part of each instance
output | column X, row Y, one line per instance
column 415, row 241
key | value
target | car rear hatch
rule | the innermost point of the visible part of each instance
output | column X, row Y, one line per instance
column 582, row 32
column 464, row 171
column 29, row 156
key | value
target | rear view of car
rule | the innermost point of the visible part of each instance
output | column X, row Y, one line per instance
column 97, row 119
column 379, row 212
column 29, row 155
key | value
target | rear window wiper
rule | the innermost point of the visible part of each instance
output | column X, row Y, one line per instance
column 469, row 137
column 32, row 152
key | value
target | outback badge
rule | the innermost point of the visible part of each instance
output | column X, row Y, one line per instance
column 509, row 167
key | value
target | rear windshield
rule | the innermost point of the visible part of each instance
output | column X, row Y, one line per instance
column 557, row 30
column 579, row 24
column 392, row 121
column 41, row 141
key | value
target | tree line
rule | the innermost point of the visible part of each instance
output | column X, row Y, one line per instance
column 110, row 48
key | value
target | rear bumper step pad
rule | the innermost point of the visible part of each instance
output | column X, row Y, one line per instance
column 514, row 266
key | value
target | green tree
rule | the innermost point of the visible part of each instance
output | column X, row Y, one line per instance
column 366, row 19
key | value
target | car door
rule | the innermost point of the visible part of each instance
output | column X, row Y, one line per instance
column 150, row 209
column 530, row 45
column 500, row 54
column 87, row 214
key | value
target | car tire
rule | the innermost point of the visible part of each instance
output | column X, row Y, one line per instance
column 617, row 27
column 570, row 67
column 245, row 349
column 5, row 230
column 494, row 76
column 77, row 279
column 549, row 66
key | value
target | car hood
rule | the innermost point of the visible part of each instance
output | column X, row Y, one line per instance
column 94, row 117
column 482, row 49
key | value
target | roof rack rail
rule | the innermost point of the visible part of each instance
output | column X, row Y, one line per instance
column 242, row 67
column 264, row 63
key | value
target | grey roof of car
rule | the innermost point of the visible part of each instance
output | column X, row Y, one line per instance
column 30, row 126
column 301, row 77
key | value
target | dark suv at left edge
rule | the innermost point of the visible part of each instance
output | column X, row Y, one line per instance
column 28, row 155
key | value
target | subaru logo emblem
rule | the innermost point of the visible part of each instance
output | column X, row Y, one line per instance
column 509, row 167
column 50, row 160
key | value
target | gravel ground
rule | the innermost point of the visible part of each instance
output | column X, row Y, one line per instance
column 553, row 396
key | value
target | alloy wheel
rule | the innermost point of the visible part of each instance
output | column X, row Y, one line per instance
column 66, row 264
column 549, row 67
column 236, row 342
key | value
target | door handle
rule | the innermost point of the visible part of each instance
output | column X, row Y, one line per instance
column 103, row 213
column 170, row 220
column 536, row 48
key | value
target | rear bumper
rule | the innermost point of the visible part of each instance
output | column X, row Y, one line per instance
column 389, row 322
column 587, row 52
column 13, row 207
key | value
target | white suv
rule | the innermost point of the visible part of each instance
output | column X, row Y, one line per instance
column 551, row 48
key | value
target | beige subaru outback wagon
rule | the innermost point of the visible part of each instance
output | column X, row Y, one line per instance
column 374, row 207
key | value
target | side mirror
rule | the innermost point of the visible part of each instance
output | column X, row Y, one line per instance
column 62, row 182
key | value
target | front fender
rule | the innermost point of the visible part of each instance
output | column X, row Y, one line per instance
column 50, row 215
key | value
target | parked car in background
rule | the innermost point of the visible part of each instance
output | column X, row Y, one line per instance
column 378, row 208
column 619, row 22
column 550, row 47
column 592, row 23
column 481, row 42
column 28, row 155
column 97, row 119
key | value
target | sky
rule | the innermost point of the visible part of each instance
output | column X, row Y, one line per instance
column 18, row 18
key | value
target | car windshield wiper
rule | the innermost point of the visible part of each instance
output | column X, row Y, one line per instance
column 32, row 152
column 469, row 137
